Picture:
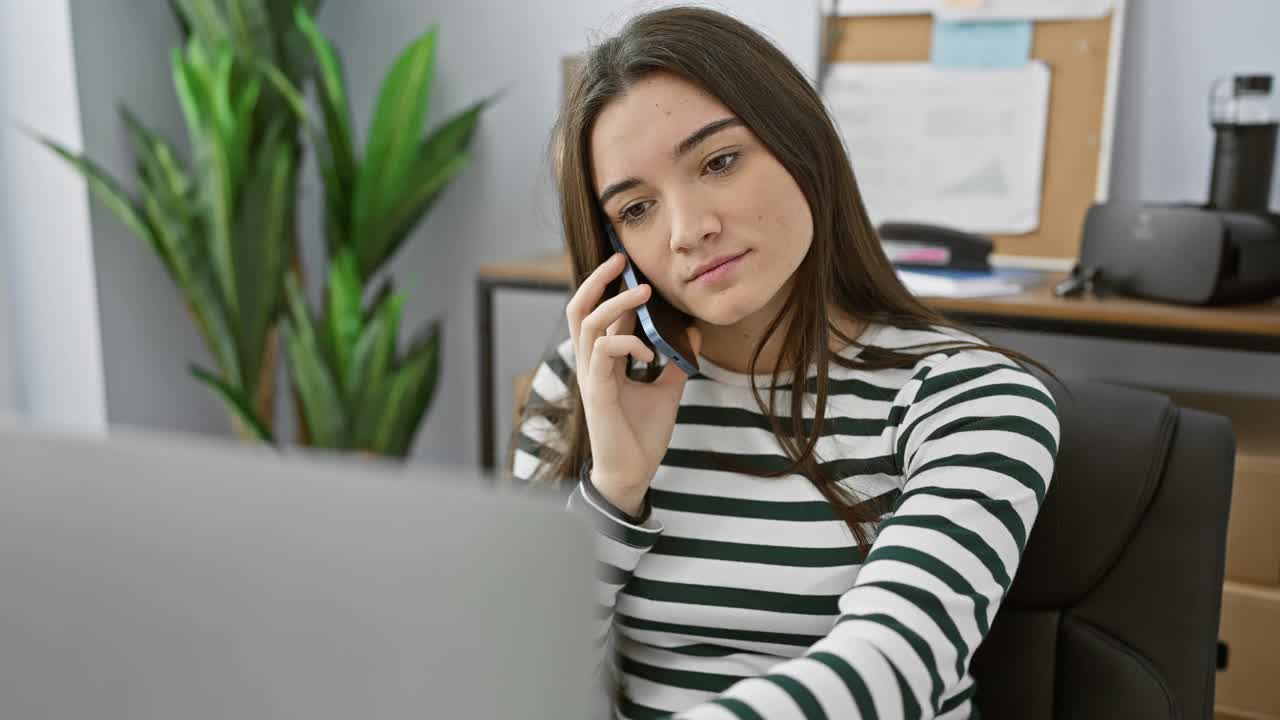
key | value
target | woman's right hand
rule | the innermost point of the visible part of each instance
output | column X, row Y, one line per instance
column 629, row 422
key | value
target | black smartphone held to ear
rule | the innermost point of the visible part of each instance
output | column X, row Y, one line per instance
column 664, row 326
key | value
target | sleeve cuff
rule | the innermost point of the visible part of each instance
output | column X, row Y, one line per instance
column 602, row 503
column 587, row 502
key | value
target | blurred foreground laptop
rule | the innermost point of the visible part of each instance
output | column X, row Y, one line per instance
column 150, row 578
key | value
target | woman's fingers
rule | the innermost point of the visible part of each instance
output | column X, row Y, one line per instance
column 597, row 323
column 589, row 292
column 610, row 311
column 585, row 300
column 624, row 325
column 608, row 349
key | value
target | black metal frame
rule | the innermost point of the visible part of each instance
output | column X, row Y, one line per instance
column 486, row 289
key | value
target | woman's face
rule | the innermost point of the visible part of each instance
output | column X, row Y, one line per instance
column 702, row 207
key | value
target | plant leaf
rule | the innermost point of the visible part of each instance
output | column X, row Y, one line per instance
column 190, row 273
column 223, row 115
column 262, row 242
column 313, row 383
column 292, row 95
column 171, row 247
column 159, row 166
column 167, row 201
column 194, row 81
column 236, row 402
column 374, row 352
column 293, row 57
column 452, row 136
column 344, row 313
column 380, row 296
column 439, row 159
column 220, row 209
column 259, row 32
column 184, row 28
column 333, row 89
column 113, row 197
column 250, row 29
column 337, row 156
column 390, row 231
column 187, row 85
column 374, row 360
column 410, row 394
column 165, row 196
column 394, row 135
column 321, row 407
column 242, row 125
column 202, row 17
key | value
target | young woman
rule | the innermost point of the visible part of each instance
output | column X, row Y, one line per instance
column 830, row 547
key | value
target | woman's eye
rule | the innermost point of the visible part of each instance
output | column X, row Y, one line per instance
column 721, row 164
column 634, row 213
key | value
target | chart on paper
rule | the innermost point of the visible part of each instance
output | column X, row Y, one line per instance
column 963, row 148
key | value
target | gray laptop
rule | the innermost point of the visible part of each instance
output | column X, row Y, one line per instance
column 148, row 578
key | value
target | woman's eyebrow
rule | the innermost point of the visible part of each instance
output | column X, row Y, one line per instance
column 701, row 134
column 619, row 187
column 683, row 148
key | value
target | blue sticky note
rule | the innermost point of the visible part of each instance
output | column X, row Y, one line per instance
column 981, row 44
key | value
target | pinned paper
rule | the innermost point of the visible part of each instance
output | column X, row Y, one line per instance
column 979, row 9
column 887, row 7
column 962, row 148
column 981, row 44
column 1023, row 10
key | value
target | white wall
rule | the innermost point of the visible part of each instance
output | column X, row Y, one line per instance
column 47, row 253
column 503, row 205
column 8, row 373
column 1173, row 50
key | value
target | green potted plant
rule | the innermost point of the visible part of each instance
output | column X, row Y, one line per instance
column 357, row 391
column 224, row 222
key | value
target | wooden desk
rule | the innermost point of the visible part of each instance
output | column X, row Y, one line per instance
column 1245, row 327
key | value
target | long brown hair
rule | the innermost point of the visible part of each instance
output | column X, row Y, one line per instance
column 845, row 267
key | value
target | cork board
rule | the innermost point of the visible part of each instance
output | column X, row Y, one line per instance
column 1080, row 56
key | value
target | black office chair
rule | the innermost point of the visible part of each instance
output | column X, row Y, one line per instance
column 1114, row 611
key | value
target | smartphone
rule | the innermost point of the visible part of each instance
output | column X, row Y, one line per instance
column 664, row 326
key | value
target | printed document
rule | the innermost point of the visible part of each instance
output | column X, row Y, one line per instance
column 956, row 147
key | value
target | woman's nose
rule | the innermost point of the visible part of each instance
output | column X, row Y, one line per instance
column 691, row 225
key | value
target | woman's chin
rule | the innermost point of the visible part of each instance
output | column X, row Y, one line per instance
column 723, row 312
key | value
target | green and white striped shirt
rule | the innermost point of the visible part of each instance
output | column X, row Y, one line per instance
column 741, row 597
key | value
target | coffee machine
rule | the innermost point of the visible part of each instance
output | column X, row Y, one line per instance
column 1244, row 126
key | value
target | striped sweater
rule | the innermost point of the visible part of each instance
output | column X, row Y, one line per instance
column 746, row 598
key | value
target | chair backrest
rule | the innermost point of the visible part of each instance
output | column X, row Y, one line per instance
column 1114, row 611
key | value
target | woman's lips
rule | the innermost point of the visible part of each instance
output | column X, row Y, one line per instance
column 721, row 271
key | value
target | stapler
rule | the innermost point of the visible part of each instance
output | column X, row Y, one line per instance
column 933, row 246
